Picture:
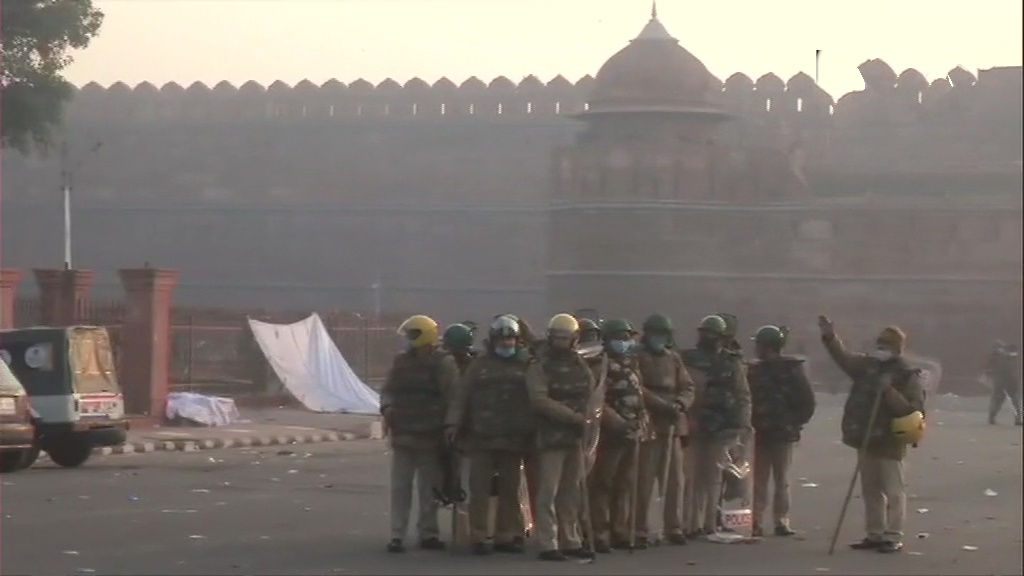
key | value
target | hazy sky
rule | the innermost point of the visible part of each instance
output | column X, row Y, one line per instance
column 267, row 40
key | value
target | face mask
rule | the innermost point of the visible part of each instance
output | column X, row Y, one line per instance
column 882, row 355
column 407, row 345
column 657, row 343
column 620, row 346
column 505, row 351
column 707, row 342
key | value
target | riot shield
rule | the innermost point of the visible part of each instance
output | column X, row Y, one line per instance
column 524, row 500
column 592, row 431
column 450, row 494
column 735, row 514
column 450, row 489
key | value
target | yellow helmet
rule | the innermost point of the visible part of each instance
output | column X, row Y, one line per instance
column 564, row 323
column 910, row 428
column 420, row 330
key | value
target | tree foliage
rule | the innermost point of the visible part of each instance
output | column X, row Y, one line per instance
column 38, row 36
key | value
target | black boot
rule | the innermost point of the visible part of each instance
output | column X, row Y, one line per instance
column 396, row 546
column 783, row 529
column 676, row 538
column 867, row 544
column 513, row 547
column 552, row 556
column 431, row 544
column 890, row 547
column 581, row 553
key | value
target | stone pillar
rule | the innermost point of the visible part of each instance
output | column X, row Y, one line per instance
column 9, row 281
column 146, row 339
column 63, row 295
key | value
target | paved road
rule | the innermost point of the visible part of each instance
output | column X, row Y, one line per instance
column 322, row 509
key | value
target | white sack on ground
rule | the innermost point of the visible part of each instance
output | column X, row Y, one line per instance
column 205, row 410
column 312, row 368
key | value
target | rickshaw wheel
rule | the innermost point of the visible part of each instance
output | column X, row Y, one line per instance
column 71, row 454
column 30, row 457
column 14, row 460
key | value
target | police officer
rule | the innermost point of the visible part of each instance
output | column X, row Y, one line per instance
column 1002, row 371
column 590, row 333
column 720, row 415
column 414, row 400
column 668, row 395
column 624, row 425
column 458, row 341
column 493, row 413
column 883, row 378
column 561, row 384
column 783, row 402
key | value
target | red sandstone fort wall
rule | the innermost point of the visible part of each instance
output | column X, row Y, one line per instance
column 260, row 194
column 960, row 119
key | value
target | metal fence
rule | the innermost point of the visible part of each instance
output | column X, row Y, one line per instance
column 204, row 356
column 214, row 351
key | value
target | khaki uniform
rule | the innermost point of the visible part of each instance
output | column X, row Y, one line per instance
column 492, row 410
column 414, row 400
column 624, row 426
column 720, row 414
column 667, row 387
column 782, row 403
column 561, row 385
column 883, row 488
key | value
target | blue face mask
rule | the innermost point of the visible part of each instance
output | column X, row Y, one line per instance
column 407, row 345
column 505, row 351
column 657, row 343
column 620, row 346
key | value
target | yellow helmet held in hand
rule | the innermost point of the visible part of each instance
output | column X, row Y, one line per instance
column 910, row 428
column 565, row 324
column 420, row 330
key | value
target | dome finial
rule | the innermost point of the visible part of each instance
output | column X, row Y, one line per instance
column 654, row 9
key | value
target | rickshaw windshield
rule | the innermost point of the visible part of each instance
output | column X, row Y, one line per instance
column 38, row 359
column 91, row 361
column 9, row 384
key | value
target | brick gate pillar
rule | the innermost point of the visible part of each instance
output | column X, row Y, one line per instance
column 9, row 281
column 146, row 339
column 63, row 295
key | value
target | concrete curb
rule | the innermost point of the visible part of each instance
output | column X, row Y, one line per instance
column 374, row 432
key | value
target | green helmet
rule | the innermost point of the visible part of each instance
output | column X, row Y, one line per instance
column 615, row 326
column 771, row 336
column 588, row 325
column 715, row 325
column 658, row 323
column 732, row 324
column 458, row 337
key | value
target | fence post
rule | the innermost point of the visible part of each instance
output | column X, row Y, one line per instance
column 366, row 350
column 188, row 354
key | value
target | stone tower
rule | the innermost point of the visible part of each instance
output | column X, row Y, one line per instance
column 648, row 144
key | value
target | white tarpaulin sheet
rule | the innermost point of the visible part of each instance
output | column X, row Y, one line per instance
column 312, row 368
column 205, row 410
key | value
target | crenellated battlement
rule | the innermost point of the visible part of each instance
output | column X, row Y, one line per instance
column 887, row 98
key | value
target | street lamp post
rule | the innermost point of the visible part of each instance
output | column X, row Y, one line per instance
column 376, row 286
column 67, row 179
